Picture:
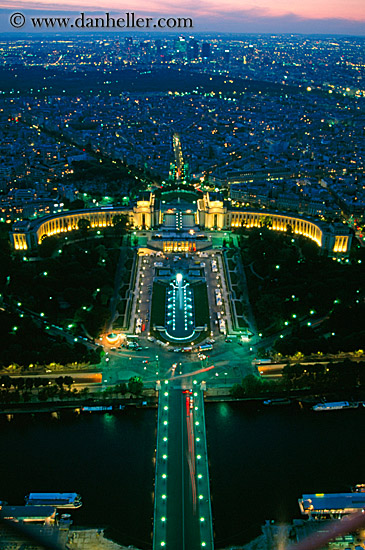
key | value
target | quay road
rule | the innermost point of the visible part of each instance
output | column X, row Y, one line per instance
column 182, row 510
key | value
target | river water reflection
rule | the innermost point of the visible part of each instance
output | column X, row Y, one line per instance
column 260, row 464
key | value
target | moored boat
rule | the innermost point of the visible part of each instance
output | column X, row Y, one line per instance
column 58, row 500
column 335, row 405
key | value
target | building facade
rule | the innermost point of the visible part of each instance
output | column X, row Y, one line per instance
column 211, row 214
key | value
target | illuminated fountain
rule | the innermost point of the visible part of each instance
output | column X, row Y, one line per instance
column 179, row 282
column 179, row 316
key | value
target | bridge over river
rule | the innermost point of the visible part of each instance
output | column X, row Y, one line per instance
column 182, row 511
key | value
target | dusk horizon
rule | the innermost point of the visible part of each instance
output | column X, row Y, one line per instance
column 252, row 17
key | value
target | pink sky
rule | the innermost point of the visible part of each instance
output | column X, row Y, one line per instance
column 308, row 9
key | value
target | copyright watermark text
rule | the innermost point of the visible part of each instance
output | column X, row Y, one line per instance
column 128, row 20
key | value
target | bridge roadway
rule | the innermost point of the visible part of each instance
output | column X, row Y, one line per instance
column 182, row 509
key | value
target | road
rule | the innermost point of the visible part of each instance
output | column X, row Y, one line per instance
column 182, row 496
column 183, row 524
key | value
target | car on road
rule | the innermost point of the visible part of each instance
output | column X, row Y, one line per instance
column 176, row 350
column 145, row 361
column 151, row 339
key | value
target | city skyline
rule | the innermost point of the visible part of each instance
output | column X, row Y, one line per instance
column 254, row 16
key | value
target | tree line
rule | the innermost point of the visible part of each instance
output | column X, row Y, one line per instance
column 41, row 389
column 340, row 378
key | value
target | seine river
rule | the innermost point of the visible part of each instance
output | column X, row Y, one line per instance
column 260, row 463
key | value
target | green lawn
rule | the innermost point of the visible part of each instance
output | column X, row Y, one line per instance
column 158, row 304
column 201, row 304
column 241, row 322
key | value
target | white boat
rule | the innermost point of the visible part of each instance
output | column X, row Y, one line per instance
column 335, row 405
column 58, row 500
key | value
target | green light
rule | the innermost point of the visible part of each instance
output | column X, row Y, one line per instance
column 277, row 267
column 198, row 438
column 200, row 476
column 196, row 423
column 201, row 497
column 164, row 476
column 163, row 518
column 165, row 422
column 164, row 497
column 199, row 457
column 294, row 316
column 15, row 329
column 164, row 457
column 165, row 438
column 41, row 314
column 203, row 544
column 286, row 323
column 202, row 519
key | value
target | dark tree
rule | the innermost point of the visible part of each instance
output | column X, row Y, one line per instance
column 135, row 385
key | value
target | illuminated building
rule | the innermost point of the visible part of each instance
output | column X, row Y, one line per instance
column 212, row 214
